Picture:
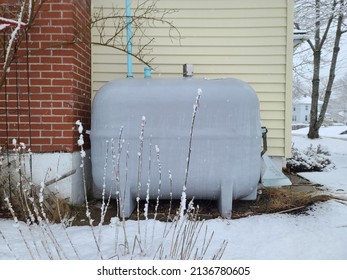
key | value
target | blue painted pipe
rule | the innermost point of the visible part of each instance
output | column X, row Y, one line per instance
column 147, row 72
column 129, row 46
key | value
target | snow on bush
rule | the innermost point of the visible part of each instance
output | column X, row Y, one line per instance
column 309, row 160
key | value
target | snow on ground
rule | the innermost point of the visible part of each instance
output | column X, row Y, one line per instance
column 321, row 233
column 336, row 179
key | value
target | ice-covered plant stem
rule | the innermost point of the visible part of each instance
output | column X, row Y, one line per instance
column 184, row 189
column 80, row 143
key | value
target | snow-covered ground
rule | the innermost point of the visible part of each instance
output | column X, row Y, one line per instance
column 319, row 234
column 336, row 179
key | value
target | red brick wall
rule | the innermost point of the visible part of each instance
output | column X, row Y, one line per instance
column 59, row 91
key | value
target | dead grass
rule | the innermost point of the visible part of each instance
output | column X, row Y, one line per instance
column 293, row 200
column 281, row 200
column 270, row 200
column 26, row 201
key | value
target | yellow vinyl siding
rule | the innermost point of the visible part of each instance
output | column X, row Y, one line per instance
column 289, row 79
column 249, row 40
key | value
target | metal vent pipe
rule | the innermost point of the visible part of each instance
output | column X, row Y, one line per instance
column 129, row 35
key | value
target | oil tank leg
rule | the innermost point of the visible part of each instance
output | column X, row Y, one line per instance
column 128, row 206
column 225, row 202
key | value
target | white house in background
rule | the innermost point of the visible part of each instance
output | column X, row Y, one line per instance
column 302, row 108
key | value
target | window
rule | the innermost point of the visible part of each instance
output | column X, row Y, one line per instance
column 294, row 109
column 306, row 107
column 306, row 118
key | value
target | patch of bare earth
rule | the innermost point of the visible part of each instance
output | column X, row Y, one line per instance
column 296, row 199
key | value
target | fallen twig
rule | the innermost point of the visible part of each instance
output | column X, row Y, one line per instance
column 290, row 210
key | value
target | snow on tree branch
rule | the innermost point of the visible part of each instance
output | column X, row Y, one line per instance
column 15, row 30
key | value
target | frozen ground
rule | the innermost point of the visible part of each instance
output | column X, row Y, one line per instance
column 320, row 233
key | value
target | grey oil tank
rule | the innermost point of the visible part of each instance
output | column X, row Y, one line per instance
column 225, row 158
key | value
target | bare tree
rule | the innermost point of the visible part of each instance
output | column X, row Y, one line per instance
column 20, row 18
column 16, row 23
column 326, row 20
column 338, row 103
column 111, row 28
column 300, row 88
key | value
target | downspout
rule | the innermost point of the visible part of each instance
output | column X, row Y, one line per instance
column 129, row 46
